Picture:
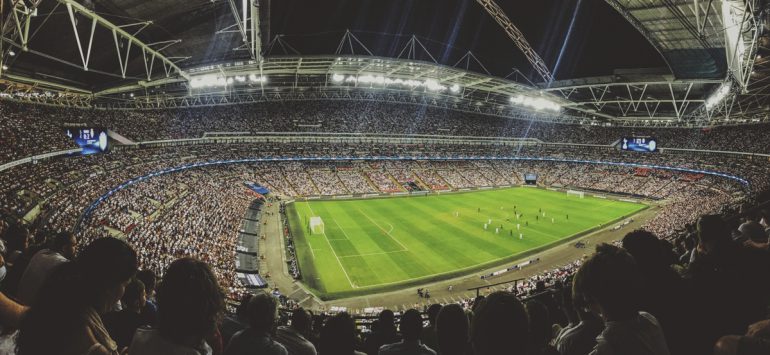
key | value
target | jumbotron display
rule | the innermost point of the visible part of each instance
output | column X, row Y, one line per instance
column 639, row 144
column 91, row 140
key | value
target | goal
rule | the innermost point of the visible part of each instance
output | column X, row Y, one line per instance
column 316, row 225
column 580, row 194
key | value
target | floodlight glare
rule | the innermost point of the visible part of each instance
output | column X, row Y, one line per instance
column 718, row 96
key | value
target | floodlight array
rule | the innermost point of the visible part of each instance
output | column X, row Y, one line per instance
column 538, row 103
column 429, row 84
column 207, row 81
column 718, row 96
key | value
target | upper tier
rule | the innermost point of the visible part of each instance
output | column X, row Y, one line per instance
column 34, row 129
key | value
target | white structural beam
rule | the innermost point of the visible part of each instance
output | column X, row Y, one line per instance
column 518, row 38
column 119, row 34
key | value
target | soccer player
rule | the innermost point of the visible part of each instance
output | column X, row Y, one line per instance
column 518, row 226
column 521, row 236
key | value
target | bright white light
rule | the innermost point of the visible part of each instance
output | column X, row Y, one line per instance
column 718, row 96
column 5, row 67
column 208, row 81
column 132, row 94
column 229, row 81
column 429, row 84
column 240, row 79
column 538, row 103
column 11, row 53
column 253, row 77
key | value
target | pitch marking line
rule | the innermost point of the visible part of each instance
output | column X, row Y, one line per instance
column 369, row 254
column 383, row 229
column 333, row 251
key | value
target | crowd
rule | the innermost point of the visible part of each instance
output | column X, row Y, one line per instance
column 36, row 129
column 63, row 294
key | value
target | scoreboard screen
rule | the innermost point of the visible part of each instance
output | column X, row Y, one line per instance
column 639, row 144
column 530, row 178
column 92, row 140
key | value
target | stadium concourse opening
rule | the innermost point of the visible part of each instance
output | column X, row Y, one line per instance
column 452, row 177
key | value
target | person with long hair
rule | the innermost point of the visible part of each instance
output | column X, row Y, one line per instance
column 190, row 305
column 65, row 317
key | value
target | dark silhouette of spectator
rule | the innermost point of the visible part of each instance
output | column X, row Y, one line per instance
column 65, row 317
column 190, row 304
column 150, row 309
column 17, row 256
column 338, row 336
column 411, row 328
column 663, row 293
column 122, row 324
column 609, row 282
column 296, row 336
column 725, row 278
column 579, row 337
column 261, row 312
column 755, row 341
column 384, row 333
column 500, row 326
column 62, row 250
column 540, row 330
column 452, row 331
column 428, row 336
column 232, row 324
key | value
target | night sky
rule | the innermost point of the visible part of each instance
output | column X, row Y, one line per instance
column 599, row 40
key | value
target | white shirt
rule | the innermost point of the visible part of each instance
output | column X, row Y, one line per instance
column 639, row 336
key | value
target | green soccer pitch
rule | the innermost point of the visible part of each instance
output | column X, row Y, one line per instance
column 373, row 245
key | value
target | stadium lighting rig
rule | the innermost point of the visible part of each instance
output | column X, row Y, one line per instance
column 538, row 103
column 207, row 81
column 717, row 96
column 429, row 84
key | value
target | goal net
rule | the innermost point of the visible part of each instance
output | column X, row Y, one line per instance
column 316, row 225
column 580, row 194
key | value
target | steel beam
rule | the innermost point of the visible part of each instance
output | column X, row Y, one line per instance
column 117, row 31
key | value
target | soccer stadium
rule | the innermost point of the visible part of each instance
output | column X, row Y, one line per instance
column 338, row 177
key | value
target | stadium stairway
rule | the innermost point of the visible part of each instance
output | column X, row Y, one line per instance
column 369, row 181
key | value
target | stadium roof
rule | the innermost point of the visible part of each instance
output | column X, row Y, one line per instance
column 149, row 48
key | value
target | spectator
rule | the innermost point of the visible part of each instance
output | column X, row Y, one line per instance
column 384, row 333
column 540, row 330
column 452, row 331
column 338, row 336
column 411, row 328
column 261, row 313
column 235, row 323
column 500, row 326
column 123, row 324
column 62, row 250
column 66, row 315
column 756, row 341
column 608, row 282
column 428, row 336
column 724, row 276
column 190, row 304
column 150, row 309
column 663, row 293
column 295, row 337
column 579, row 337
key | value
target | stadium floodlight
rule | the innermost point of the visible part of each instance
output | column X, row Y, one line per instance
column 11, row 53
column 253, row 77
column 207, row 81
column 240, row 78
column 229, row 81
column 428, row 84
column 537, row 103
column 718, row 96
